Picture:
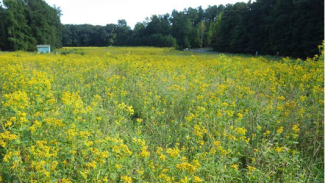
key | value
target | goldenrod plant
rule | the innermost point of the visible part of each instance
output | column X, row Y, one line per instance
column 159, row 115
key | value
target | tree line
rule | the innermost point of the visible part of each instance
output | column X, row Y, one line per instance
column 285, row 27
column 191, row 28
column 26, row 23
column 277, row 27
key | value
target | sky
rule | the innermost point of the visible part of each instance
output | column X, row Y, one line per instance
column 102, row 12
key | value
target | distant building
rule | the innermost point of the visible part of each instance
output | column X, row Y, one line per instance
column 43, row 48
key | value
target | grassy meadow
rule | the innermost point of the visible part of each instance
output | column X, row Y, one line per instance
column 159, row 115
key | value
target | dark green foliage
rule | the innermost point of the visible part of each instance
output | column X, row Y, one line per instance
column 45, row 22
column 19, row 35
column 182, row 27
column 123, row 32
column 26, row 23
column 90, row 35
column 286, row 27
column 266, row 26
column 3, row 30
column 157, row 40
column 116, row 35
column 155, row 33
column 290, row 28
column 85, row 35
column 158, row 25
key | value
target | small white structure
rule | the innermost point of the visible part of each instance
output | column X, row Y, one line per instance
column 43, row 48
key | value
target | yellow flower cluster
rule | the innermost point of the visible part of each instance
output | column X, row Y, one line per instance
column 159, row 115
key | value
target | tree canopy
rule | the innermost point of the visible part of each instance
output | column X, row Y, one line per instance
column 26, row 23
column 276, row 27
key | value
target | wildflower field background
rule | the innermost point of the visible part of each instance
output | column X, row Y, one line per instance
column 160, row 115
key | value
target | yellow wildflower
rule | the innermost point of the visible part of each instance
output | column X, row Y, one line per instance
column 126, row 179
column 251, row 169
column 197, row 179
column 234, row 166
column 280, row 130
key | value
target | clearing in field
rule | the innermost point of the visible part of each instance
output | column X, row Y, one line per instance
column 159, row 115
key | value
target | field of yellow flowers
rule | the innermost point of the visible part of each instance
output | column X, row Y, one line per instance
column 159, row 115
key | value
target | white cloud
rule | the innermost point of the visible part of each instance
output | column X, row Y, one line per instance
column 102, row 12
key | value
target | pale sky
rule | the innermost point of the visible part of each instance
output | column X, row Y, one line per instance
column 102, row 12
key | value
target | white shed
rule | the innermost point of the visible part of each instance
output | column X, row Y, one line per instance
column 43, row 48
